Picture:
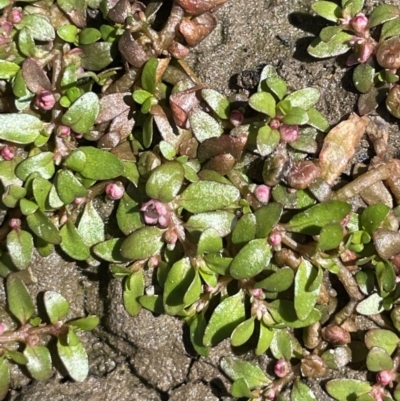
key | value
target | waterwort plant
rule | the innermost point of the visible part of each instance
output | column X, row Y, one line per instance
column 374, row 42
column 232, row 206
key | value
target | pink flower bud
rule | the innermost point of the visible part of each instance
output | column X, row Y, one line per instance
column 79, row 201
column 15, row 16
column 236, row 117
column 385, row 377
column 365, row 51
column 15, row 224
column 275, row 238
column 152, row 262
column 262, row 193
column 115, row 190
column 63, row 130
column 275, row 123
column 170, row 237
column 289, row 133
column 45, row 100
column 257, row 292
column 270, row 394
column 8, row 152
column 281, row 368
column 155, row 212
column 359, row 23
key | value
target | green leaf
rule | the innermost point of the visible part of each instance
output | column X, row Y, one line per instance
column 363, row 77
column 110, row 250
column 56, row 306
column 352, row 7
column 88, row 36
column 83, row 113
column 39, row 362
column 100, row 164
column 283, row 312
column 140, row 96
column 373, row 216
column 304, row 98
column 301, row 392
column 16, row 357
column 41, row 192
column 390, row 28
column 305, row 298
column 314, row 218
column 218, row 103
column 382, row 338
column 204, row 126
column 347, row 389
column 20, row 247
column 327, row 10
column 69, row 187
column 237, row 369
column 74, row 357
column 329, row 32
column 133, row 289
column 4, row 378
column 18, row 299
column 279, row 281
column 85, row 323
column 149, row 76
column 142, row 243
column 331, row 236
column 317, row 120
column 242, row 332
column 91, row 226
column 226, row 316
column 264, row 103
column 20, row 128
column 72, row 243
column 276, row 85
column 128, row 214
column 338, row 45
column 197, row 328
column 43, row 227
column 267, row 140
column 245, row 229
column 267, row 217
column 40, row 27
column 282, row 345
column 371, row 305
column 252, row 259
column 296, row 116
column 383, row 13
column 68, row 32
column 264, row 340
column 178, row 281
column 42, row 163
column 153, row 303
column 221, row 221
column 241, row 389
column 165, row 181
column 210, row 241
column 378, row 359
column 96, row 56
column 8, row 69
column 204, row 196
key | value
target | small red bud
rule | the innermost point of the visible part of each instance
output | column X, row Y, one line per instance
column 115, row 190
column 262, row 193
column 8, row 153
column 63, row 130
column 15, row 16
column 15, row 224
column 275, row 123
column 359, row 23
column 281, row 368
column 289, row 133
column 385, row 377
column 336, row 335
column 270, row 394
column 236, row 117
column 275, row 238
column 45, row 100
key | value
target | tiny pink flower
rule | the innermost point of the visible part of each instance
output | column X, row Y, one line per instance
column 45, row 100
column 359, row 23
column 257, row 292
column 275, row 238
column 153, row 262
column 115, row 190
column 79, row 201
column 275, row 123
column 63, row 131
column 281, row 368
column 262, row 193
column 15, row 16
column 155, row 212
column 270, row 394
column 385, row 377
column 15, row 224
column 170, row 237
column 236, row 117
column 289, row 133
column 8, row 153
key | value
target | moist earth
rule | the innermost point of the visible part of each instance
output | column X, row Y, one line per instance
column 148, row 357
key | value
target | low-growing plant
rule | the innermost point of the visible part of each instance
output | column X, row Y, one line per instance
column 374, row 43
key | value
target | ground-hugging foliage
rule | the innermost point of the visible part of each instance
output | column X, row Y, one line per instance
column 233, row 204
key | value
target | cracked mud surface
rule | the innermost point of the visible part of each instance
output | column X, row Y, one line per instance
column 149, row 358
